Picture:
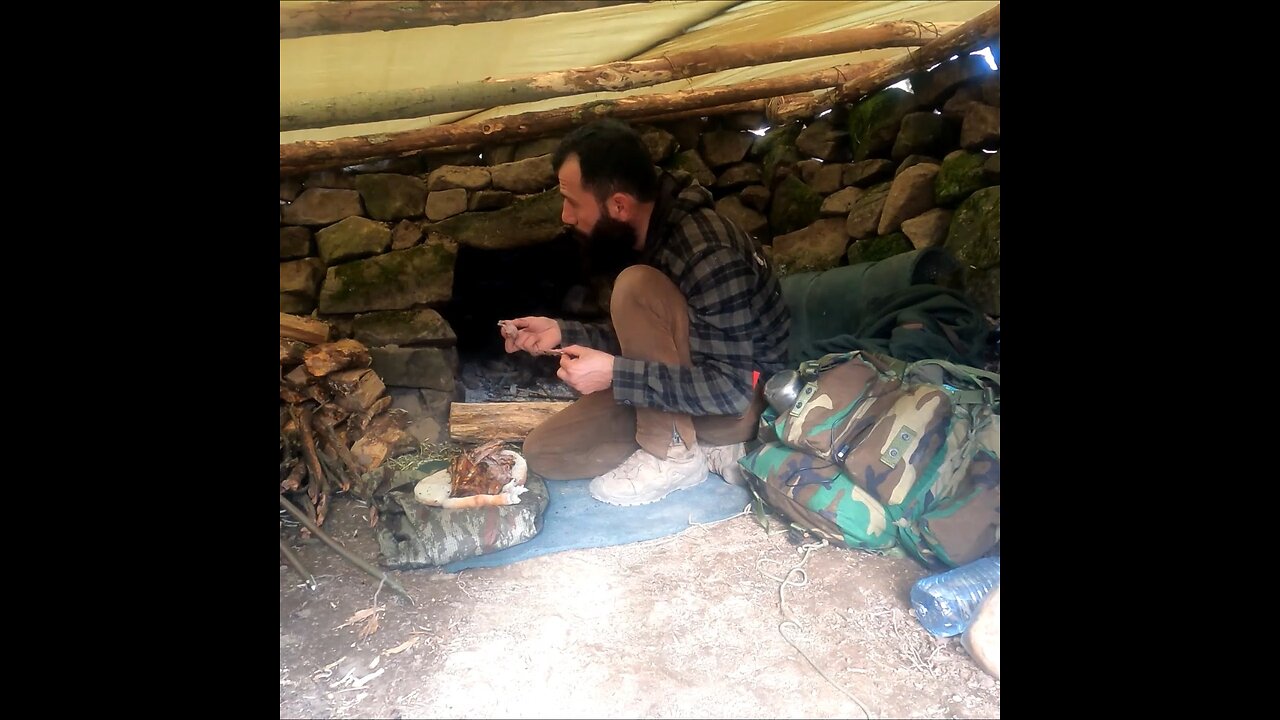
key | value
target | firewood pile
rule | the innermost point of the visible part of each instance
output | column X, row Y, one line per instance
column 336, row 420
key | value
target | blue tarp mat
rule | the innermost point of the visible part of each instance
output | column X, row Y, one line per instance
column 574, row 520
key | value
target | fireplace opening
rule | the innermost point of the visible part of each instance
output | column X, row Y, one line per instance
column 548, row 279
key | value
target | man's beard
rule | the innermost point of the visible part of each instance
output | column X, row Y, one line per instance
column 611, row 246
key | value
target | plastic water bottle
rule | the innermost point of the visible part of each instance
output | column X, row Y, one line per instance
column 945, row 603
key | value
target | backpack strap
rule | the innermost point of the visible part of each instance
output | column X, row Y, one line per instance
column 988, row 383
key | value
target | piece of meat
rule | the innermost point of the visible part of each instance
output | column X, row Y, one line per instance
column 480, row 471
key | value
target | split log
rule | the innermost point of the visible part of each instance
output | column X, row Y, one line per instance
column 385, row 438
column 361, row 421
column 332, row 18
column 330, row 357
column 291, row 396
column 620, row 76
column 509, row 421
column 332, row 414
column 355, row 390
column 298, row 378
column 965, row 38
column 308, row 330
column 320, row 154
column 291, row 352
column 319, row 393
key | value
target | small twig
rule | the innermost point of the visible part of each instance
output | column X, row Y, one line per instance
column 325, row 427
column 303, row 418
column 345, row 553
column 293, row 560
column 332, row 468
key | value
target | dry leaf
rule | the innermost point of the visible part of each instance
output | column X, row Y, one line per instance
column 373, row 517
column 407, row 644
column 362, row 615
column 370, row 627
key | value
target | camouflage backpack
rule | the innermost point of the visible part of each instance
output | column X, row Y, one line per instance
column 877, row 453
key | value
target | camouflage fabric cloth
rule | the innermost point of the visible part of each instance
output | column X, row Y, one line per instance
column 412, row 535
column 881, row 452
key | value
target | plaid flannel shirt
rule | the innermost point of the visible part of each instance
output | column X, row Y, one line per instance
column 738, row 322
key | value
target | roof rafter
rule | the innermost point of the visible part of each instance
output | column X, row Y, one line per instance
column 299, row 19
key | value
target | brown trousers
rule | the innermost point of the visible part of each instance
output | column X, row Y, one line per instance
column 595, row 434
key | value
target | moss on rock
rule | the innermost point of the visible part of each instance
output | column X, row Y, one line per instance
column 959, row 177
column 878, row 248
column 394, row 281
column 795, row 206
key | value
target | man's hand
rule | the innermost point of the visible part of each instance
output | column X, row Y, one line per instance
column 586, row 370
column 531, row 334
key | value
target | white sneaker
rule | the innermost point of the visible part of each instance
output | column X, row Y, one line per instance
column 644, row 478
column 723, row 461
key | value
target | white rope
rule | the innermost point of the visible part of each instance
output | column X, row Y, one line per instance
column 692, row 525
column 800, row 580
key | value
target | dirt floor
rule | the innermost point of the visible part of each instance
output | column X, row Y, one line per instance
column 691, row 625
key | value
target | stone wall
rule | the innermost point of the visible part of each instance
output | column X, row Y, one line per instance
column 373, row 249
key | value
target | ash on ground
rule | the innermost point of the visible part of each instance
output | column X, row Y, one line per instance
column 512, row 378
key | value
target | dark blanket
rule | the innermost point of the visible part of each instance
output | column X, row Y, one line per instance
column 890, row 306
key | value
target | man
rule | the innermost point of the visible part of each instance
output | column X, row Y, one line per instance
column 674, row 386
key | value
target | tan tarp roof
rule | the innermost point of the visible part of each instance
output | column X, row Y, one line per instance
column 325, row 66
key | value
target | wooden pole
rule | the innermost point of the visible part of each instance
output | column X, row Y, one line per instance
column 610, row 77
column 742, row 107
column 349, row 556
column 303, row 19
column 297, row 565
column 749, row 106
column 318, row 154
column 983, row 28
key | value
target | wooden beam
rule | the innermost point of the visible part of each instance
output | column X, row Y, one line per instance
column 749, row 106
column 965, row 38
column 318, row 154
column 308, row 330
column 510, row 421
column 610, row 77
column 303, row 19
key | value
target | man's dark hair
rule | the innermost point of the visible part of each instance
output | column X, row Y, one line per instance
column 613, row 159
